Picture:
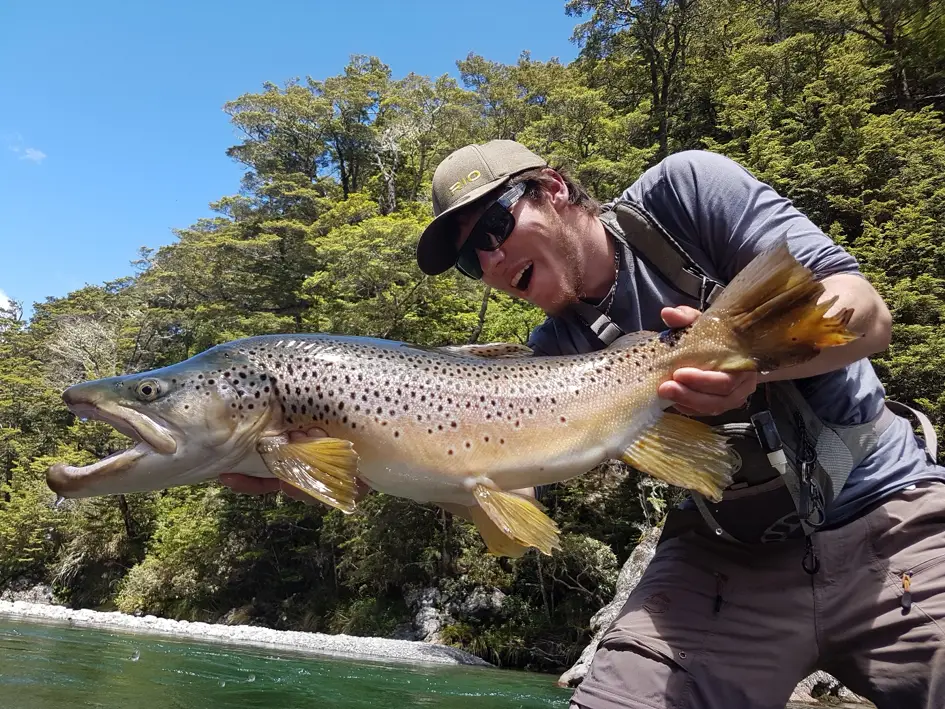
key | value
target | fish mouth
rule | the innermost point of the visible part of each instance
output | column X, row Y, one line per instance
column 71, row 481
column 134, row 424
column 151, row 437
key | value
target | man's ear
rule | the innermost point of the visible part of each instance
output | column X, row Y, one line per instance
column 556, row 189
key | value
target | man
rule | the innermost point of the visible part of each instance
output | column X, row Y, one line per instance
column 722, row 619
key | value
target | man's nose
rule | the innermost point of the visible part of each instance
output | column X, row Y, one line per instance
column 490, row 260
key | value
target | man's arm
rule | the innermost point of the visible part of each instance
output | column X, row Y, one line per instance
column 722, row 213
column 704, row 393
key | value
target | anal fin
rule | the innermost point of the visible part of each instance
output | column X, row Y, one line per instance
column 684, row 452
column 517, row 517
column 325, row 468
column 494, row 538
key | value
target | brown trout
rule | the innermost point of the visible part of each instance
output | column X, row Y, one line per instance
column 461, row 427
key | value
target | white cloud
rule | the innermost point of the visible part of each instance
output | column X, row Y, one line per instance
column 33, row 154
column 5, row 303
column 16, row 144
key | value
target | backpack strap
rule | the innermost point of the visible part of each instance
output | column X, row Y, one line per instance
column 646, row 236
column 928, row 430
column 651, row 241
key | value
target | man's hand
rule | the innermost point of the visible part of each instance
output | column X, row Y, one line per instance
column 250, row 485
column 698, row 392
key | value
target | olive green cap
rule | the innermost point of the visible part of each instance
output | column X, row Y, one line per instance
column 464, row 176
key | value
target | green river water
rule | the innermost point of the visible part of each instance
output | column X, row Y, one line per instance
column 55, row 666
column 46, row 666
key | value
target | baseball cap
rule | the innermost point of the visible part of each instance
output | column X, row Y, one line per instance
column 464, row 176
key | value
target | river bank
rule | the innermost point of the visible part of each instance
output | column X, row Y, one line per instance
column 350, row 646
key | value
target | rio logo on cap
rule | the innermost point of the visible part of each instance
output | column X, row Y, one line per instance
column 463, row 181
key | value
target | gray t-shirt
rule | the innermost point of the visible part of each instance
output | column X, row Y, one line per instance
column 724, row 217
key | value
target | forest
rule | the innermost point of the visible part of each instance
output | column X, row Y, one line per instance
column 836, row 103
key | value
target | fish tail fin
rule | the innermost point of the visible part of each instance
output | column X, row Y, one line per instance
column 769, row 316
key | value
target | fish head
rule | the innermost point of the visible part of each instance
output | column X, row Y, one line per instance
column 190, row 421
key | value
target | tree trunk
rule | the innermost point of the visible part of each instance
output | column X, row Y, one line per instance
column 126, row 517
column 477, row 331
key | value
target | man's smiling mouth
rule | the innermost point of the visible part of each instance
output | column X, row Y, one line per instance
column 521, row 279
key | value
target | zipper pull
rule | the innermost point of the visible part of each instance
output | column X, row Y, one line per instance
column 906, row 600
column 810, row 562
column 803, row 504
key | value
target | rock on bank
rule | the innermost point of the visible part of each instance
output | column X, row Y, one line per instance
column 317, row 643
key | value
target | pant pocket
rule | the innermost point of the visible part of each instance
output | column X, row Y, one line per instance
column 912, row 580
column 652, row 649
column 633, row 670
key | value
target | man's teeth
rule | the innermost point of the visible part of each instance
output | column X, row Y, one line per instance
column 518, row 276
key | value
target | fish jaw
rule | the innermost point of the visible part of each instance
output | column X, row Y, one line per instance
column 134, row 424
column 89, row 480
column 193, row 437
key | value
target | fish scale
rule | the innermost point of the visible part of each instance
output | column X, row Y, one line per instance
column 462, row 427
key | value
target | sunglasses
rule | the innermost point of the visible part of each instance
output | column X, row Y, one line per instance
column 490, row 232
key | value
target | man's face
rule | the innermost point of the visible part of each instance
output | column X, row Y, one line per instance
column 539, row 261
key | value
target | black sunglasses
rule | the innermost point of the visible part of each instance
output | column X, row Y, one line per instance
column 489, row 232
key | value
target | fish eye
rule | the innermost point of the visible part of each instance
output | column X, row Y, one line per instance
column 148, row 389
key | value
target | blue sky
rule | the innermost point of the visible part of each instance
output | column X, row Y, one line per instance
column 113, row 132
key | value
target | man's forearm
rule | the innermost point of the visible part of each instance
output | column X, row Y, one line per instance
column 871, row 319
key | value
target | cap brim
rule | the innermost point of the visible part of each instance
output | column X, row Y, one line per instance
column 436, row 252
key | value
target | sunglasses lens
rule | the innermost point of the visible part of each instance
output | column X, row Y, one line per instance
column 492, row 228
column 488, row 234
column 468, row 263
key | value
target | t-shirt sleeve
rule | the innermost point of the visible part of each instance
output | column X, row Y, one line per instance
column 719, row 207
column 548, row 339
column 542, row 341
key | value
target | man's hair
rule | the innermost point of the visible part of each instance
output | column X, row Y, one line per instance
column 536, row 179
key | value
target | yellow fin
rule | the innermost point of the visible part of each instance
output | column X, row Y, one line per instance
column 518, row 518
column 684, row 452
column 325, row 468
column 496, row 540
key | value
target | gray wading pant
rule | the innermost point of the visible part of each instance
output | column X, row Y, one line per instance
column 715, row 625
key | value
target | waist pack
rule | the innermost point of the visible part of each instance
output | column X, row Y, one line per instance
column 792, row 463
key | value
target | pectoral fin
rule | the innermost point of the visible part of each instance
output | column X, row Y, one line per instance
column 325, row 468
column 518, row 518
column 684, row 452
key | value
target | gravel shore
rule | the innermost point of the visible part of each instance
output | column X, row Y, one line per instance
column 317, row 643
